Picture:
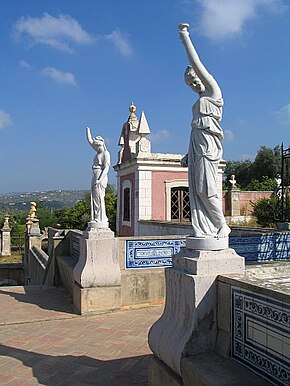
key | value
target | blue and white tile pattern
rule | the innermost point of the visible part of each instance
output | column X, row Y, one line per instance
column 261, row 335
column 152, row 253
column 262, row 248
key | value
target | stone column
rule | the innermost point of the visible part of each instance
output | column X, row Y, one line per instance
column 32, row 238
column 188, row 325
column 33, row 233
column 97, row 274
column 6, row 239
column 234, row 198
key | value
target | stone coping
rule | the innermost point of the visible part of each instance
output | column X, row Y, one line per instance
column 268, row 286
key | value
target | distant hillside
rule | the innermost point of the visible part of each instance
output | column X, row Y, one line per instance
column 53, row 199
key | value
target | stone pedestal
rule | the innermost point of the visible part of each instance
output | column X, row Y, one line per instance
column 97, row 274
column 6, row 243
column 32, row 238
column 5, row 240
column 234, row 201
column 188, row 325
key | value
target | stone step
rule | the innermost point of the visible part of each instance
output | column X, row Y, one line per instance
column 213, row 370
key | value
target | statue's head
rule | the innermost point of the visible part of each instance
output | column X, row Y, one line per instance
column 193, row 81
column 99, row 144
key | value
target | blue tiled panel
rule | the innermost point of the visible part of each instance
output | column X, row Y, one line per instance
column 158, row 253
column 151, row 253
column 264, row 247
column 261, row 335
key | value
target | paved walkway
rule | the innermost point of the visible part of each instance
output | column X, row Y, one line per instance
column 44, row 343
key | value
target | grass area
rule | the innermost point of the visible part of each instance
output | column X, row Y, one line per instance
column 14, row 258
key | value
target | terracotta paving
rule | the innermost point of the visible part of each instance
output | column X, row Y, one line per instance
column 44, row 343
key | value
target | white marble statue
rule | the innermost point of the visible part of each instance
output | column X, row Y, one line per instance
column 205, row 149
column 100, row 169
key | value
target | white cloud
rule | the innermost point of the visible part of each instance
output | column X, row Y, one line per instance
column 283, row 114
column 57, row 32
column 159, row 136
column 224, row 19
column 62, row 32
column 121, row 42
column 24, row 64
column 59, row 76
column 5, row 119
column 229, row 135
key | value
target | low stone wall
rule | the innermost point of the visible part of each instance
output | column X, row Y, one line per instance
column 253, row 320
column 12, row 274
column 142, row 260
column 138, row 286
column 37, row 265
column 249, row 327
column 244, row 202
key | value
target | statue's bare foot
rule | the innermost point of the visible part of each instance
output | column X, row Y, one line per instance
column 224, row 231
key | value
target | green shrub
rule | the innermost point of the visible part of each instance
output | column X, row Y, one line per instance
column 265, row 210
column 268, row 211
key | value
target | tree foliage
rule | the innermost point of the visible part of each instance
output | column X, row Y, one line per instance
column 78, row 216
column 259, row 174
column 75, row 217
column 267, row 184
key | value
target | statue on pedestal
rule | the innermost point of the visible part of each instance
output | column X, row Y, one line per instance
column 97, row 274
column 205, row 149
column 101, row 165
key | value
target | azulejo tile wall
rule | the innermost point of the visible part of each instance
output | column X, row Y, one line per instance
column 261, row 335
column 158, row 253
column 263, row 247
column 151, row 253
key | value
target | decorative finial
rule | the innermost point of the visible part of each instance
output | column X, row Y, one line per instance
column 132, row 108
column 32, row 211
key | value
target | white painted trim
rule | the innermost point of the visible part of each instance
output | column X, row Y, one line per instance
column 145, row 204
column 126, row 184
column 164, row 168
column 168, row 186
column 136, row 204
column 118, row 206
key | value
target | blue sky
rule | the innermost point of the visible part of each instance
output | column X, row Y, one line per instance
column 68, row 64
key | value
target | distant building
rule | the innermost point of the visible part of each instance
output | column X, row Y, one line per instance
column 150, row 186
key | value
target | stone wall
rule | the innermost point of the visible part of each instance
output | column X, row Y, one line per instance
column 12, row 274
column 141, row 259
column 138, row 286
column 245, row 199
column 37, row 265
column 253, row 320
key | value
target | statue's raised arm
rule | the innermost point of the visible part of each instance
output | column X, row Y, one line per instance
column 90, row 138
column 207, row 84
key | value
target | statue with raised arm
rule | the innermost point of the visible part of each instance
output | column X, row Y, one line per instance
column 205, row 149
column 101, row 165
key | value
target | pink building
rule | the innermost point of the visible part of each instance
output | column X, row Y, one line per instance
column 150, row 186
